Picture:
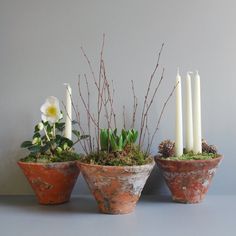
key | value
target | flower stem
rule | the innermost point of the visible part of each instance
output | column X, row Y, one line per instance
column 54, row 130
column 45, row 131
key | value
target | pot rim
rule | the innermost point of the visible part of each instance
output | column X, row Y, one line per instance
column 219, row 157
column 152, row 163
column 44, row 164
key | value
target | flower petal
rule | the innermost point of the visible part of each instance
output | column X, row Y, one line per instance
column 44, row 118
column 51, row 110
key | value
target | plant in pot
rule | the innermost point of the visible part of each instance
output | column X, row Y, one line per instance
column 50, row 166
column 115, row 166
column 188, row 171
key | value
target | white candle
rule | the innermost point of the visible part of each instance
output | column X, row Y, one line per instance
column 189, row 115
column 178, row 124
column 197, row 126
column 68, row 125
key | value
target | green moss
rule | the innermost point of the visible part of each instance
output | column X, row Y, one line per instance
column 192, row 156
column 62, row 157
column 130, row 156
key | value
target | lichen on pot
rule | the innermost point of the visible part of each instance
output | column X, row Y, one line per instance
column 116, row 176
column 116, row 188
column 188, row 176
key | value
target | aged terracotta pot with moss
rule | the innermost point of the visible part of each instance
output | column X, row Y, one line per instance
column 116, row 188
column 188, row 180
column 51, row 182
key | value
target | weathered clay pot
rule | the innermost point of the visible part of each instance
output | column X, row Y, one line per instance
column 51, row 182
column 188, row 181
column 116, row 188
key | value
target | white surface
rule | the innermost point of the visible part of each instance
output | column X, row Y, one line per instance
column 153, row 216
column 40, row 51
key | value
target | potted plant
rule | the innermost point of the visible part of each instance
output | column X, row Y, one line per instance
column 115, row 166
column 117, row 173
column 188, row 176
column 188, row 171
column 50, row 166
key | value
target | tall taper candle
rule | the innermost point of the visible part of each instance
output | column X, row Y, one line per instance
column 189, row 115
column 178, row 124
column 68, row 125
column 197, row 124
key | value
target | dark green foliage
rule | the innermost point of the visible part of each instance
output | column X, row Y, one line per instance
column 111, row 141
column 49, row 144
column 118, row 149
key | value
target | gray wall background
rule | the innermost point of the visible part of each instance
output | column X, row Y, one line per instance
column 40, row 50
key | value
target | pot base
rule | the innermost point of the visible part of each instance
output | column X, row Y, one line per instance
column 52, row 182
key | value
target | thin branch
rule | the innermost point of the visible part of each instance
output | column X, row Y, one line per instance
column 85, row 105
column 148, row 105
column 161, row 114
column 88, row 116
column 147, row 93
column 135, row 105
column 155, row 91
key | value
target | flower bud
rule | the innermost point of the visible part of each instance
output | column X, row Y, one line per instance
column 40, row 126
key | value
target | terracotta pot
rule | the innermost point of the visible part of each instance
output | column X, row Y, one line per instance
column 116, row 188
column 51, row 182
column 188, row 181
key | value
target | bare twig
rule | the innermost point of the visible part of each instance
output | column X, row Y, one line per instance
column 88, row 116
column 85, row 105
column 135, row 105
column 159, row 120
column 99, row 93
column 148, row 105
column 147, row 93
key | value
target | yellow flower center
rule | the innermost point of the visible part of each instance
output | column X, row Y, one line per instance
column 51, row 111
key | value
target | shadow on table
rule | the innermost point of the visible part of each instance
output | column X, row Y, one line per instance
column 156, row 199
column 77, row 205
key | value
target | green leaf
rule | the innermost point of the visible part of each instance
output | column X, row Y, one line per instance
column 60, row 126
column 124, row 133
column 135, row 135
column 37, row 135
column 76, row 133
column 120, row 144
column 74, row 122
column 69, row 142
column 45, row 148
column 84, row 136
column 104, row 139
column 113, row 143
column 26, row 144
column 35, row 149
column 36, row 129
column 115, row 132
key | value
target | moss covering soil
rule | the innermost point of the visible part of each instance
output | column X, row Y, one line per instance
column 62, row 157
column 191, row 156
column 130, row 156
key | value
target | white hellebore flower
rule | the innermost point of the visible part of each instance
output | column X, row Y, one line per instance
column 51, row 110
